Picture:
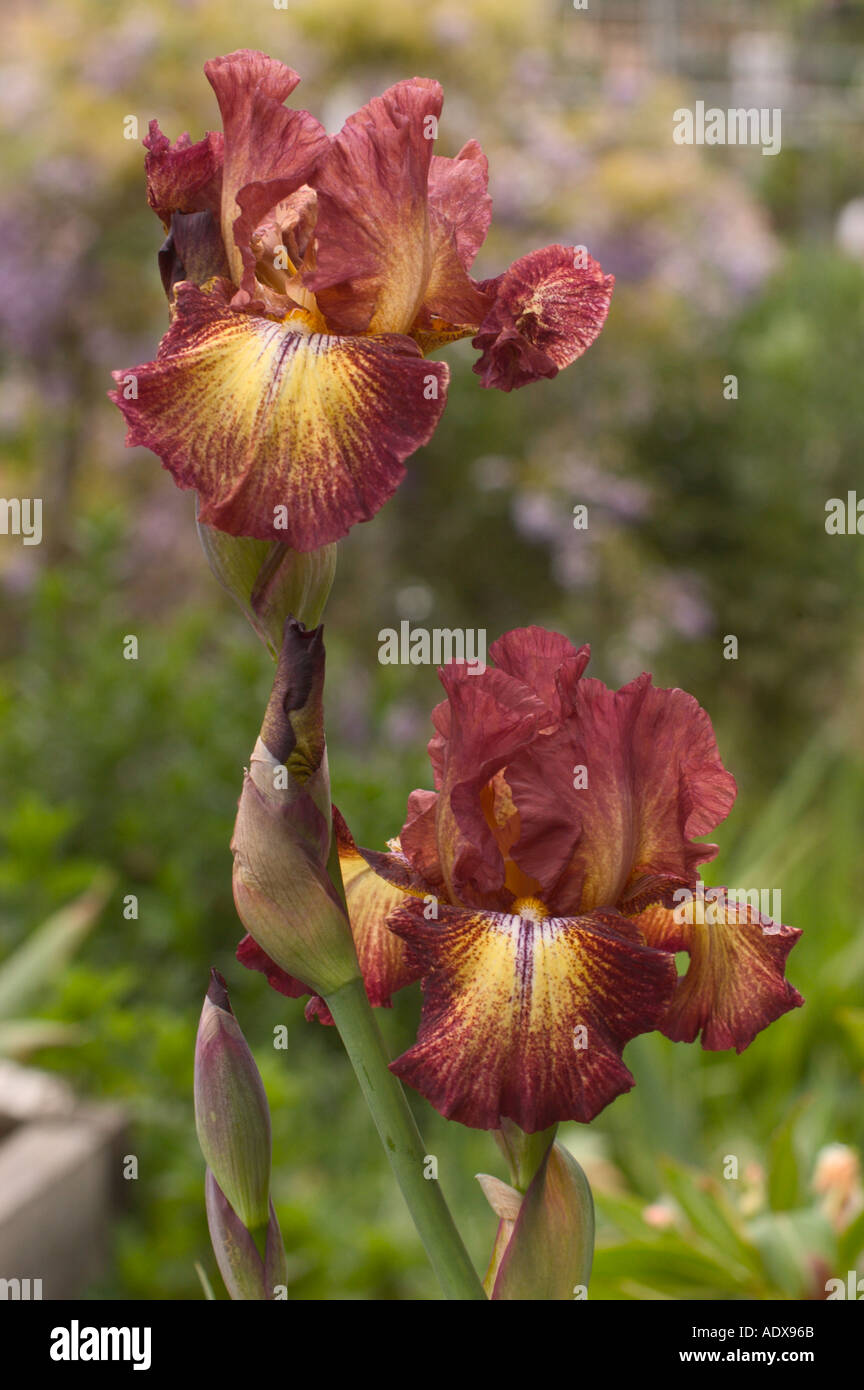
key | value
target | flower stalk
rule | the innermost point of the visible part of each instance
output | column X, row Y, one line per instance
column 397, row 1129
column 402, row 1142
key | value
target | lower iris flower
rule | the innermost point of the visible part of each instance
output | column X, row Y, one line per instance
column 540, row 888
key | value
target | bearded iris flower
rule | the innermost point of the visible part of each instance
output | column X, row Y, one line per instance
column 308, row 275
column 541, row 883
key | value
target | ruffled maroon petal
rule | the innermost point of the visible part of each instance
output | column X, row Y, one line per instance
column 492, row 716
column 459, row 199
column 611, row 800
column 540, row 659
column 183, row 177
column 548, row 310
column 460, row 211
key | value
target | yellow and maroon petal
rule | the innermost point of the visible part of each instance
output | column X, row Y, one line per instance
column 735, row 984
column 269, row 150
column 286, row 435
column 371, row 900
column 374, row 245
column 183, row 177
column 548, row 310
column 610, row 800
column 525, row 1016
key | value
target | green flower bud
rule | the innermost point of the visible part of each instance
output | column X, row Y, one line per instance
column 247, row 1275
column 545, row 1248
column 231, row 1112
column 269, row 580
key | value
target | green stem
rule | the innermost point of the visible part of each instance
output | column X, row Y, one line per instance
column 402, row 1142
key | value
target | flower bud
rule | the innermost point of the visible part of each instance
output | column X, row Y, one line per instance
column 231, row 1112
column 269, row 580
column 247, row 1276
column 547, row 1251
column 284, row 895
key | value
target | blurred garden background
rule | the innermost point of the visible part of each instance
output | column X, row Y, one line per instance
column 706, row 519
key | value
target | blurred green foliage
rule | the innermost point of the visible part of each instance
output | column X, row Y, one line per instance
column 28, row 973
column 706, row 519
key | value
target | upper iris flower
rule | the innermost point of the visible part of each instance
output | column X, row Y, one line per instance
column 308, row 276
column 540, row 882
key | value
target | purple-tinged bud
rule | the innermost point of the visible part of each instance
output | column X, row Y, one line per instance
column 283, row 892
column 247, row 1276
column 231, row 1112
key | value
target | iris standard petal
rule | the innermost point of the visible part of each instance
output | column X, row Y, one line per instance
column 460, row 211
column 374, row 245
column 459, row 201
column 538, row 658
column 492, row 716
column 611, row 799
column 266, row 143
